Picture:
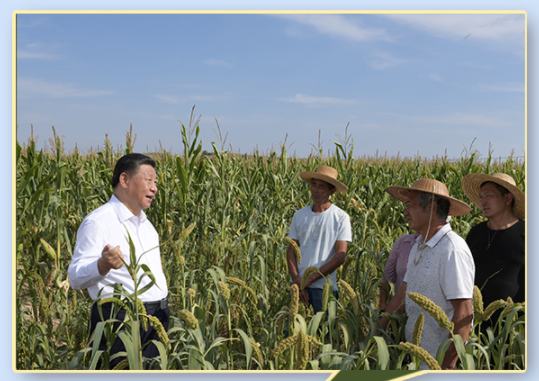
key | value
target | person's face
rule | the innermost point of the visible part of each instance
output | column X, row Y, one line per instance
column 320, row 191
column 492, row 202
column 418, row 218
column 140, row 188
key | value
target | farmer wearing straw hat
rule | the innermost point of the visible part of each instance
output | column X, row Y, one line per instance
column 440, row 266
column 322, row 232
column 497, row 245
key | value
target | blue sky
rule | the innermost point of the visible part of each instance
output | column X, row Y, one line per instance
column 405, row 83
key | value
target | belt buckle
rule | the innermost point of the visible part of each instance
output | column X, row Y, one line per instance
column 163, row 303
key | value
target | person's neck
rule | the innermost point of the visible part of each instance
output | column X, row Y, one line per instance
column 501, row 222
column 320, row 208
column 123, row 199
column 429, row 233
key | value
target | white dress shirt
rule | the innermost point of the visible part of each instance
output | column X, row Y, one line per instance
column 109, row 224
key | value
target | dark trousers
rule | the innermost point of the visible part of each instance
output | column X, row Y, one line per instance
column 149, row 351
column 315, row 298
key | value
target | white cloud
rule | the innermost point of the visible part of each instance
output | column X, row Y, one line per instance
column 311, row 101
column 36, row 51
column 166, row 117
column 216, row 62
column 179, row 100
column 169, row 99
column 384, row 60
column 341, row 27
column 28, row 87
column 477, row 66
column 22, row 54
column 467, row 26
column 510, row 88
column 461, row 118
column 436, row 77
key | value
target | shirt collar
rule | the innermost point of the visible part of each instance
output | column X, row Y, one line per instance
column 436, row 237
column 124, row 213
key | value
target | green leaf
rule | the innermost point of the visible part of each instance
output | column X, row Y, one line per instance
column 383, row 353
column 182, row 175
column 247, row 345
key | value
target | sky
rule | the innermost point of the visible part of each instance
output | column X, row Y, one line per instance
column 394, row 53
column 396, row 84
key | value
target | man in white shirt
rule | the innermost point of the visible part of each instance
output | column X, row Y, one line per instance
column 102, row 243
column 322, row 232
column 440, row 266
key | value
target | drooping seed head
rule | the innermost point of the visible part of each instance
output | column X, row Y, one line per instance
column 436, row 312
column 189, row 319
column 294, row 299
column 122, row 364
column 478, row 304
column 420, row 353
column 284, row 345
column 295, row 247
column 302, row 350
column 308, row 271
column 141, row 310
column 493, row 307
column 242, row 284
column 418, row 329
column 223, row 290
column 161, row 332
column 348, row 291
column 257, row 353
column 325, row 297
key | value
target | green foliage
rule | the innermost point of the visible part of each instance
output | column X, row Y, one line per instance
column 221, row 215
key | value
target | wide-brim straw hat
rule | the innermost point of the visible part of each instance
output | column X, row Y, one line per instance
column 471, row 184
column 456, row 208
column 327, row 174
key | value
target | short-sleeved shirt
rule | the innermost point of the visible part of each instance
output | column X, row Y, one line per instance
column 397, row 261
column 317, row 234
column 441, row 270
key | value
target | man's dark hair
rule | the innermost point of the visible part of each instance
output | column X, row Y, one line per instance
column 443, row 204
column 130, row 164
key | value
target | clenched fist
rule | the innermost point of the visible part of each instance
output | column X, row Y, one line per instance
column 110, row 259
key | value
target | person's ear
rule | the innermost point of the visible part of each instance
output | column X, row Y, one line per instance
column 509, row 198
column 124, row 180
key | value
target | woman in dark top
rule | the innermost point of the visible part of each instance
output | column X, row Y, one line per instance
column 497, row 245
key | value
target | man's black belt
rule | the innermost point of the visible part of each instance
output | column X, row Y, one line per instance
column 154, row 306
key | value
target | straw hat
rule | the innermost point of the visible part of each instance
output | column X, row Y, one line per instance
column 471, row 184
column 327, row 174
column 456, row 208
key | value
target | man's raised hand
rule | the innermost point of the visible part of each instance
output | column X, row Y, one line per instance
column 110, row 259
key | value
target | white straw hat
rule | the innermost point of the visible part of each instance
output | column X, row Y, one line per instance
column 327, row 174
column 471, row 184
column 456, row 208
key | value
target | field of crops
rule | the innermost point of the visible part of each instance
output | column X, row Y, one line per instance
column 222, row 220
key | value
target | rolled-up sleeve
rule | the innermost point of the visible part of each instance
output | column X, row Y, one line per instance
column 83, row 271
